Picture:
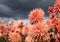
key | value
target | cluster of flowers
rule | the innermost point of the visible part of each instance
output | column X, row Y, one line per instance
column 10, row 32
column 35, row 31
column 41, row 31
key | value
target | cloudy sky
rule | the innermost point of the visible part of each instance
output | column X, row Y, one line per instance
column 19, row 9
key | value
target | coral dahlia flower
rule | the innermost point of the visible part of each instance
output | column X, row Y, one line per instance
column 58, row 2
column 36, row 30
column 14, row 36
column 58, row 24
column 25, row 29
column 19, row 24
column 11, row 23
column 1, row 21
column 52, row 15
column 29, row 39
column 17, row 30
column 12, row 27
column 50, row 9
column 36, row 15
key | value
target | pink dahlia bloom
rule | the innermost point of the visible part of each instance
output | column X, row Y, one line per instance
column 58, row 24
column 46, row 27
column 1, row 21
column 36, row 15
column 57, row 6
column 14, row 36
column 50, row 9
column 29, row 39
column 11, row 23
column 36, row 30
column 48, row 22
column 25, row 29
column 58, row 15
column 58, row 2
column 4, row 31
column 18, row 30
column 19, row 24
column 51, row 22
column 52, row 15
column 12, row 27
column 54, row 21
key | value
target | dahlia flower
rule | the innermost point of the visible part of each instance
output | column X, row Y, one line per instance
column 14, row 36
column 58, row 35
column 46, row 27
column 0, row 35
column 54, row 21
column 11, row 23
column 47, row 37
column 58, row 24
column 52, row 15
column 48, row 22
column 36, row 15
column 29, row 39
column 58, row 15
column 0, row 30
column 4, row 31
column 50, row 9
column 19, row 24
column 55, row 8
column 58, row 27
column 12, row 27
column 36, row 30
column 25, row 29
column 18, row 30
column 58, row 2
column 1, row 21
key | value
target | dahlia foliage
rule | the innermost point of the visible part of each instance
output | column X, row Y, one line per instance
column 37, row 30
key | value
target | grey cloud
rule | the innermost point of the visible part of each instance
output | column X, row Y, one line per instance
column 5, row 11
column 20, row 14
column 21, row 8
column 27, row 4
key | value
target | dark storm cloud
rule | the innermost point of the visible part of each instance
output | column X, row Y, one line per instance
column 5, row 11
column 20, row 8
